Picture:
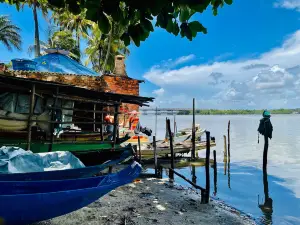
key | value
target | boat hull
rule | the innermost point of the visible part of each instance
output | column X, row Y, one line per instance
column 64, row 174
column 21, row 209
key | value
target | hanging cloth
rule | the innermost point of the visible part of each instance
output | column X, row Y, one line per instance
column 265, row 126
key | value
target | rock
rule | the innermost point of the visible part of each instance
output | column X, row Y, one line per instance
column 183, row 210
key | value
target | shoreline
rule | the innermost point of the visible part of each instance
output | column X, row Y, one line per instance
column 153, row 201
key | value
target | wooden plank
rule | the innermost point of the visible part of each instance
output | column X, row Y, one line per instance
column 187, row 180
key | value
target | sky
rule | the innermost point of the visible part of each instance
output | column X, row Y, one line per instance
column 250, row 58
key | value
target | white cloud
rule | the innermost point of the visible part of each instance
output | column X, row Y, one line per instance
column 159, row 92
column 183, row 59
column 271, row 79
column 288, row 4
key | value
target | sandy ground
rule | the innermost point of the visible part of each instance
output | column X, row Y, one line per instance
column 152, row 201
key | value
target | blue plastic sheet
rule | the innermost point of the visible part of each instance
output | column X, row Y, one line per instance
column 59, row 63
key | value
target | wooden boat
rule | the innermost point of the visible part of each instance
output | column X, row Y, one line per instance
column 33, row 201
column 163, row 148
column 65, row 174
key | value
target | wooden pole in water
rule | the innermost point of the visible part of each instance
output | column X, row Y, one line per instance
column 171, row 174
column 31, row 112
column 228, row 130
column 194, row 177
column 155, row 121
column 265, row 156
column 155, row 156
column 225, row 148
column 207, row 159
column 215, row 172
column 140, row 154
column 193, row 133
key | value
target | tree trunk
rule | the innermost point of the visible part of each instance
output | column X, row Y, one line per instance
column 100, row 55
column 108, row 47
column 36, row 32
column 78, row 39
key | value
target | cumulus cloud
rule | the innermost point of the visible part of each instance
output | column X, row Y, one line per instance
column 288, row 4
column 271, row 79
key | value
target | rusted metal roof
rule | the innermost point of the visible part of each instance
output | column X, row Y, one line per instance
column 16, row 80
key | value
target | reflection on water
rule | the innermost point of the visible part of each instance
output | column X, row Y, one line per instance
column 267, row 206
column 241, row 180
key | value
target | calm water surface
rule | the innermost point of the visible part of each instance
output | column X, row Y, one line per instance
column 243, row 185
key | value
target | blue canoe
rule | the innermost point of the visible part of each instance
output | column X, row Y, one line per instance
column 29, row 202
column 64, row 174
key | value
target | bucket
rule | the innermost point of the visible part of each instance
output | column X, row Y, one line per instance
column 23, row 64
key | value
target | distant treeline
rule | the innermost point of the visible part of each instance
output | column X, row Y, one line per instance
column 236, row 111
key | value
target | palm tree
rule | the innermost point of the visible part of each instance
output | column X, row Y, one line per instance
column 9, row 34
column 102, row 49
column 59, row 39
column 72, row 22
column 35, row 5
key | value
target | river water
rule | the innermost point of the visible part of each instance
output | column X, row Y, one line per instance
column 243, row 185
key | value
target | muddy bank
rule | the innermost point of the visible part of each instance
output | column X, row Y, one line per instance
column 151, row 201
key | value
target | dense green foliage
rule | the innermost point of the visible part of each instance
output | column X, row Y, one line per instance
column 137, row 16
column 9, row 34
column 237, row 111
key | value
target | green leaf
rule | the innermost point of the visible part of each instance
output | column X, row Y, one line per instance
column 228, row 2
column 134, row 33
column 196, row 27
column 176, row 29
column 162, row 20
column 126, row 39
column 91, row 14
column 147, row 25
column 170, row 26
column 184, row 14
column 103, row 23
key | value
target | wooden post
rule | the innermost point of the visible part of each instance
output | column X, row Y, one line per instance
column 171, row 174
column 215, row 172
column 225, row 148
column 155, row 156
column 228, row 136
column 229, row 186
column 194, row 177
column 102, row 120
column 155, row 121
column 193, row 133
column 265, row 155
column 53, row 119
column 207, row 172
column 31, row 112
column 139, row 143
column 94, row 117
column 116, row 123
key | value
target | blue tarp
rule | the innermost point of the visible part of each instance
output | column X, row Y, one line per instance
column 59, row 63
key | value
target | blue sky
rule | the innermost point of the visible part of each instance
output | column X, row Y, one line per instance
column 248, row 59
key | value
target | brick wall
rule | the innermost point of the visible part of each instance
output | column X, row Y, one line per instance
column 122, row 85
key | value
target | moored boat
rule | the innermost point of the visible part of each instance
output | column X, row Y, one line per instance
column 33, row 201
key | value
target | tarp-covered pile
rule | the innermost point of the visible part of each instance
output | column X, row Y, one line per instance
column 17, row 160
